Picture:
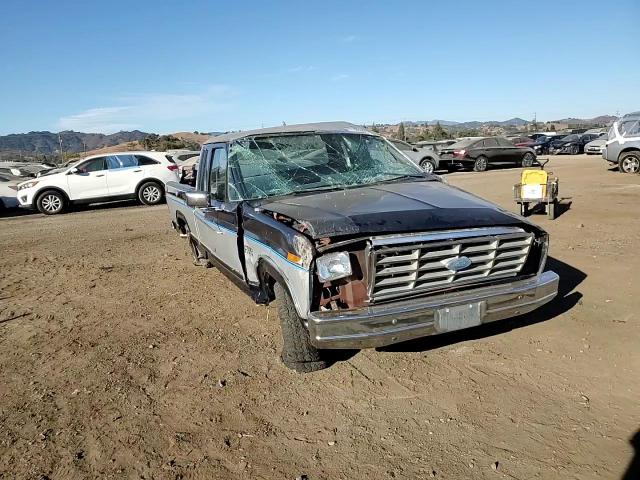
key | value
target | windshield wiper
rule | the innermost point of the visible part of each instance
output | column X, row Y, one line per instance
column 401, row 176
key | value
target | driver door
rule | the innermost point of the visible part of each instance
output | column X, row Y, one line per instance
column 90, row 180
column 217, row 224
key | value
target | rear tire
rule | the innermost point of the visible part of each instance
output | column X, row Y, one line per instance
column 50, row 202
column 528, row 159
column 297, row 351
column 481, row 164
column 428, row 165
column 629, row 162
column 575, row 150
column 151, row 193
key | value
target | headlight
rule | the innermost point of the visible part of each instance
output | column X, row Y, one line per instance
column 333, row 266
column 27, row 185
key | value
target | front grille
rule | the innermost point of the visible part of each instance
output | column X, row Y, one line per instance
column 408, row 265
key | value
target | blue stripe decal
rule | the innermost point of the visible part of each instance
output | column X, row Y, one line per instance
column 276, row 252
column 248, row 237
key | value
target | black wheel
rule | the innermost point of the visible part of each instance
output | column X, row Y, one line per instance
column 51, row 202
column 481, row 164
column 629, row 162
column 524, row 209
column 551, row 209
column 428, row 165
column 151, row 193
column 575, row 150
column 528, row 159
column 297, row 351
column 199, row 257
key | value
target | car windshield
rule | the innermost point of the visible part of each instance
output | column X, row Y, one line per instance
column 571, row 138
column 276, row 165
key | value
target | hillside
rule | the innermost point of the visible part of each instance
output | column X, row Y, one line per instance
column 47, row 143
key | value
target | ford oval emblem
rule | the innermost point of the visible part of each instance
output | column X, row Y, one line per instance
column 458, row 263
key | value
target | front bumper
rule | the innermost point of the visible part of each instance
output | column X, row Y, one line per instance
column 380, row 325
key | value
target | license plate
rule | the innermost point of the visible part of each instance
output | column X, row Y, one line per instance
column 456, row 318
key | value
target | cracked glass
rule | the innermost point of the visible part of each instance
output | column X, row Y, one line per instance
column 277, row 165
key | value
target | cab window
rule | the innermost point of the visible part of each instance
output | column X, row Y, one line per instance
column 121, row 161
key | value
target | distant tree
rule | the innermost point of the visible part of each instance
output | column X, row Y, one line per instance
column 439, row 133
column 400, row 133
column 374, row 128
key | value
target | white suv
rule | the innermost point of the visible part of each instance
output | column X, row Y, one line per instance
column 99, row 178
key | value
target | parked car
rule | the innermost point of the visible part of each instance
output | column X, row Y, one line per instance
column 425, row 156
column 23, row 169
column 359, row 247
column 572, row 144
column 623, row 144
column 8, row 191
column 99, row 178
column 542, row 144
column 594, row 147
column 482, row 152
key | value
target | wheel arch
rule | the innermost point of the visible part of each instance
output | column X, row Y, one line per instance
column 39, row 193
column 181, row 222
column 150, row 179
column 627, row 150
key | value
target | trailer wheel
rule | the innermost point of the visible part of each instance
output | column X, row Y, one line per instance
column 524, row 209
column 297, row 351
column 551, row 209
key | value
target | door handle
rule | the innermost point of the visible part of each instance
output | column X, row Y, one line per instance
column 100, row 175
column 138, row 170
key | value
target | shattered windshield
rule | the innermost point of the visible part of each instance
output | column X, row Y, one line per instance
column 266, row 166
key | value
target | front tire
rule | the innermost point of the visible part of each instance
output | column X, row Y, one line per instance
column 528, row 159
column 428, row 165
column 51, row 202
column 297, row 351
column 151, row 193
column 481, row 164
column 629, row 162
column 575, row 150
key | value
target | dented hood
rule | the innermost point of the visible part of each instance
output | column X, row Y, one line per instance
column 393, row 207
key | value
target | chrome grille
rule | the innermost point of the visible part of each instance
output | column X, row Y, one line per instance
column 407, row 265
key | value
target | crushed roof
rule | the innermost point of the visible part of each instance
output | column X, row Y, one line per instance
column 320, row 127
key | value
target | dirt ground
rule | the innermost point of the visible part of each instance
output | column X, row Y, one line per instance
column 120, row 359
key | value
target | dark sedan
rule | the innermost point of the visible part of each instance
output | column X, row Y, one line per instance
column 572, row 144
column 482, row 152
column 542, row 144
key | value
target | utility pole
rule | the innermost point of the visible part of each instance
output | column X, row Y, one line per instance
column 61, row 152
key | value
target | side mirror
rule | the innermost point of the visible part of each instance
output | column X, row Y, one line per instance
column 72, row 171
column 197, row 199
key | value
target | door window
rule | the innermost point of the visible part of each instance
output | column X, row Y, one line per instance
column 115, row 162
column 93, row 165
column 504, row 142
column 218, row 174
column 490, row 142
column 203, row 170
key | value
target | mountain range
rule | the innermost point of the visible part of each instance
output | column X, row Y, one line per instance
column 48, row 143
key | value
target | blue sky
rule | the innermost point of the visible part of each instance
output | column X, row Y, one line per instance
column 206, row 65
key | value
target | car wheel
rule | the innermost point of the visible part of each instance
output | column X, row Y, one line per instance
column 297, row 351
column 50, row 202
column 151, row 193
column 528, row 159
column 575, row 150
column 629, row 162
column 524, row 209
column 428, row 165
column 481, row 164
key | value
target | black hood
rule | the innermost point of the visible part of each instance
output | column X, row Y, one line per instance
column 393, row 207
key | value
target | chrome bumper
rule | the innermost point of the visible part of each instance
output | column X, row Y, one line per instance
column 381, row 325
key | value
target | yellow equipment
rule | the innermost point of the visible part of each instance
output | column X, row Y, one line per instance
column 537, row 186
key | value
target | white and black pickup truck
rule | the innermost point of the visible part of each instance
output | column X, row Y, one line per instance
column 359, row 246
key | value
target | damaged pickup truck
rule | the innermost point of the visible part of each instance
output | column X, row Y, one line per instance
column 358, row 245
